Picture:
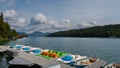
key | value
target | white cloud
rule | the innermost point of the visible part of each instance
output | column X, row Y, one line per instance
column 90, row 24
column 39, row 19
column 40, row 22
column 10, row 13
column 65, row 24
column 20, row 22
column 11, row 16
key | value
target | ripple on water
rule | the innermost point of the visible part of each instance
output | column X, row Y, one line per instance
column 107, row 48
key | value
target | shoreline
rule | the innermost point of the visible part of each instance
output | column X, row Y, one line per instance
column 4, row 40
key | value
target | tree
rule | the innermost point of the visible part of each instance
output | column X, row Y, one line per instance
column 5, row 30
column 97, row 31
column 1, row 17
column 14, row 33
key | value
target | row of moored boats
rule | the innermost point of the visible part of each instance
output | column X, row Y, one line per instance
column 74, row 60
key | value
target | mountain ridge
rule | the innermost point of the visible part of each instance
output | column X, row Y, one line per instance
column 112, row 30
column 37, row 33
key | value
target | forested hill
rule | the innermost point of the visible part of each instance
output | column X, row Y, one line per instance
column 97, row 31
column 5, row 29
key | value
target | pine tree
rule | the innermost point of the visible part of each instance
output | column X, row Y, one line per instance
column 5, row 30
column 1, row 17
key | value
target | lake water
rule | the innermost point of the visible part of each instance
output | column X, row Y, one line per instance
column 3, row 61
column 105, row 48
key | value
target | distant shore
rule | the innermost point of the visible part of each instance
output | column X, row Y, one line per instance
column 4, row 40
column 106, row 31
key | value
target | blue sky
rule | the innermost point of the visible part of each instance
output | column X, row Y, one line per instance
column 59, row 15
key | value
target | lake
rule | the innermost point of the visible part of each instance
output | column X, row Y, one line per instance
column 105, row 48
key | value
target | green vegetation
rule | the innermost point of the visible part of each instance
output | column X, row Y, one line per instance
column 97, row 31
column 3, row 42
column 5, row 31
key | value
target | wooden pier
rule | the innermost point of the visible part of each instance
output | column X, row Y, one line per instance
column 41, row 61
column 45, row 63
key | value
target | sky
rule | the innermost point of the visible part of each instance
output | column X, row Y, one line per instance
column 59, row 15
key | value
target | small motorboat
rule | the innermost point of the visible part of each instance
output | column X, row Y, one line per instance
column 66, row 59
column 17, row 47
column 46, row 50
column 85, row 62
column 53, row 55
column 26, row 48
column 79, row 57
column 12, row 45
column 49, row 54
column 36, row 50
column 59, row 53
column 113, row 65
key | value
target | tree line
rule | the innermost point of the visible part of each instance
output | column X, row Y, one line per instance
column 5, row 29
column 97, row 31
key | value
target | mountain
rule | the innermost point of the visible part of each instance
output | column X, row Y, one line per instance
column 112, row 30
column 24, row 33
column 41, row 34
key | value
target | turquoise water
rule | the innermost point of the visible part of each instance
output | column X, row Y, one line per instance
column 105, row 48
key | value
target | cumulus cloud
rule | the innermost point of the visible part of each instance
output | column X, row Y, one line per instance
column 11, row 16
column 65, row 24
column 38, row 19
column 10, row 13
column 90, row 24
column 19, row 23
column 40, row 22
